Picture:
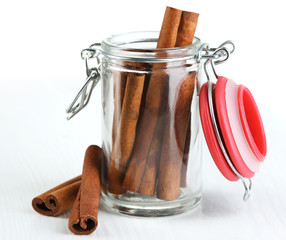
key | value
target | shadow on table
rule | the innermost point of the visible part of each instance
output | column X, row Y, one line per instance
column 214, row 204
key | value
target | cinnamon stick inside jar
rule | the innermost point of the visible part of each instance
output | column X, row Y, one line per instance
column 175, row 136
column 156, row 95
column 169, row 179
column 148, row 182
column 177, row 30
column 83, row 217
column 119, row 85
column 186, row 158
column 125, row 138
column 58, row 199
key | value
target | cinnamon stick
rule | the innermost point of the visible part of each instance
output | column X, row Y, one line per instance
column 174, row 142
column 187, row 28
column 148, row 182
column 126, row 133
column 83, row 218
column 58, row 199
column 154, row 99
column 185, row 158
column 119, row 84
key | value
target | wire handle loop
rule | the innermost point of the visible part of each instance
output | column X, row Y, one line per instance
column 83, row 96
column 219, row 54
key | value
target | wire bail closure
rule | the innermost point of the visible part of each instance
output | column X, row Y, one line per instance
column 83, row 96
column 218, row 56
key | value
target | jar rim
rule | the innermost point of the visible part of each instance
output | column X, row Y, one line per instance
column 141, row 46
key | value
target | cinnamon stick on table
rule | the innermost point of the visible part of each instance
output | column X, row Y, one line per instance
column 83, row 218
column 58, row 199
column 158, row 85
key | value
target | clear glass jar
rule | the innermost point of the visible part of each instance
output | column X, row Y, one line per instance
column 151, row 126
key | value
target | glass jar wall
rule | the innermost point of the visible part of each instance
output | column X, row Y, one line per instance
column 151, row 132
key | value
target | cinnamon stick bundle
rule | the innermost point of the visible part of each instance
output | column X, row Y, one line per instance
column 58, row 199
column 83, row 217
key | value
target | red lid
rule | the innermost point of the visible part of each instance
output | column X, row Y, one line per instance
column 210, row 136
column 252, row 123
column 250, row 120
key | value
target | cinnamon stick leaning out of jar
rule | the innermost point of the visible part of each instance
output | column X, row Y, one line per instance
column 176, row 31
column 173, row 146
column 155, row 97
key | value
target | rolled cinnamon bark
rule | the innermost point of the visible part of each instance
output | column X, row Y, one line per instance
column 126, row 133
column 186, row 158
column 174, row 141
column 169, row 28
column 58, row 199
column 187, row 28
column 183, row 109
column 83, row 218
column 158, row 85
column 119, row 85
column 148, row 182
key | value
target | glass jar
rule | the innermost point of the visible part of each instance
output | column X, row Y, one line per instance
column 151, row 126
column 151, row 122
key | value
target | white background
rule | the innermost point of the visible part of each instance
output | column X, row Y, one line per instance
column 41, row 70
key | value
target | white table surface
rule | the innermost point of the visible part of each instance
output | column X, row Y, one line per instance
column 40, row 72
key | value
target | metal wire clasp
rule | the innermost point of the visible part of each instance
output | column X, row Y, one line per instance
column 83, row 96
column 218, row 55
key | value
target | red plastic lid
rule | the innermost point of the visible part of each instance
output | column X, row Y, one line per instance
column 240, row 125
column 238, row 134
column 252, row 123
column 226, row 129
column 210, row 136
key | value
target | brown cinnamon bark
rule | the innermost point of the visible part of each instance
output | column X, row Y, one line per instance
column 169, row 28
column 119, row 85
column 183, row 109
column 187, row 28
column 154, row 99
column 83, row 218
column 126, row 134
column 148, row 182
column 186, row 158
column 58, row 199
column 174, row 141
